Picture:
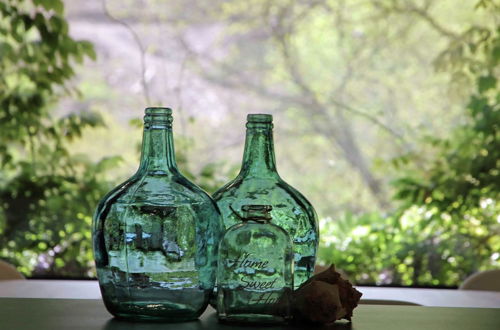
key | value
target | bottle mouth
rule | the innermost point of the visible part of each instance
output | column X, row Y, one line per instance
column 158, row 117
column 158, row 111
column 259, row 118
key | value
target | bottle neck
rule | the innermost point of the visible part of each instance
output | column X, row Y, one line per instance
column 158, row 154
column 258, row 157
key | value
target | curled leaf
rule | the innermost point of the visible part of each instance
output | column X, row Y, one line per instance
column 318, row 302
column 325, row 298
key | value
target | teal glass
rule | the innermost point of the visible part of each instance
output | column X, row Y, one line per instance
column 155, row 236
column 259, row 183
column 255, row 270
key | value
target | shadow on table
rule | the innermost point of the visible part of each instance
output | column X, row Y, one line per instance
column 386, row 302
column 116, row 324
column 210, row 323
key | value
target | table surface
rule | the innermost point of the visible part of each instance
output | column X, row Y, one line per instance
column 90, row 314
column 66, row 289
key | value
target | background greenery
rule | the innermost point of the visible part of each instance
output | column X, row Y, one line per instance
column 386, row 112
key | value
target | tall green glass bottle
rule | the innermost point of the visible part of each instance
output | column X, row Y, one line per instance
column 259, row 183
column 155, row 236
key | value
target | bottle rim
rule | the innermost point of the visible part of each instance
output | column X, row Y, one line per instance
column 259, row 118
column 158, row 117
column 158, row 111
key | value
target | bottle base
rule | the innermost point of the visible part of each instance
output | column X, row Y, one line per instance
column 153, row 319
column 154, row 312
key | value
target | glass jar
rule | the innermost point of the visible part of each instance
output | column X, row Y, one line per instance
column 255, row 270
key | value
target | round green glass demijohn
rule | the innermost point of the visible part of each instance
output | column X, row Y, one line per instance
column 155, row 236
column 258, row 182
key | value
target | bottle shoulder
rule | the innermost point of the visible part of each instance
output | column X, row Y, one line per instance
column 115, row 194
column 157, row 189
column 244, row 185
column 275, row 191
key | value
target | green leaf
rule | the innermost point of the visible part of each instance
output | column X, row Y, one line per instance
column 88, row 49
column 135, row 122
column 5, row 49
column 56, row 5
column 495, row 53
column 108, row 163
column 476, row 104
column 485, row 83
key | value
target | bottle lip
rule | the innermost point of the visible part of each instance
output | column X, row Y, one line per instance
column 158, row 111
column 259, row 118
column 158, row 117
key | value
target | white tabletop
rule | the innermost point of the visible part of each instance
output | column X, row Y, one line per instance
column 70, row 289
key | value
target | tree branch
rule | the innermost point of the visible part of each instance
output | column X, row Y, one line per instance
column 140, row 46
column 411, row 8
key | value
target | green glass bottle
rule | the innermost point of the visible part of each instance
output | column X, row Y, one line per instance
column 155, row 236
column 255, row 270
column 259, row 183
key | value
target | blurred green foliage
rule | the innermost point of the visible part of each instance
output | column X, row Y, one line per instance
column 446, row 227
column 449, row 223
column 46, row 194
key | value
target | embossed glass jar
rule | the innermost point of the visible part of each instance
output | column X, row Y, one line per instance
column 255, row 270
